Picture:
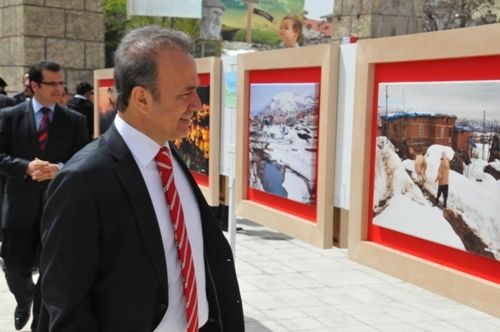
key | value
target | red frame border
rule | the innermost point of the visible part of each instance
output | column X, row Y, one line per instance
column 459, row 69
column 288, row 75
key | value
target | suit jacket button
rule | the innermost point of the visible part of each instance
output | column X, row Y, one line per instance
column 162, row 307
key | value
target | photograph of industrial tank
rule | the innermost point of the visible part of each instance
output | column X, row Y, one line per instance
column 437, row 163
column 283, row 140
column 195, row 148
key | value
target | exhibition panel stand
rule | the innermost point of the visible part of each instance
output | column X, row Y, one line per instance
column 285, row 140
column 424, row 191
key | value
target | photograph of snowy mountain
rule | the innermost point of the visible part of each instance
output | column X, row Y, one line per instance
column 283, row 140
column 437, row 164
column 195, row 148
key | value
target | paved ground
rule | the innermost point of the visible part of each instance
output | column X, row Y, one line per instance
column 288, row 285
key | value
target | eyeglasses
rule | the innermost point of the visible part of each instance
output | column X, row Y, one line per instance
column 54, row 84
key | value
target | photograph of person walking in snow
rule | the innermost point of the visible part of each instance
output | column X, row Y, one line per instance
column 442, row 179
column 436, row 174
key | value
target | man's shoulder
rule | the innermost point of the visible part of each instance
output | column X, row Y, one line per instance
column 93, row 156
column 15, row 109
column 78, row 104
column 71, row 112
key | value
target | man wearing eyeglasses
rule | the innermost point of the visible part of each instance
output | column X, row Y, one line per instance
column 36, row 138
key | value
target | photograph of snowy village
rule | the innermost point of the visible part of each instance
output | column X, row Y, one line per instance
column 283, row 140
column 195, row 148
column 437, row 164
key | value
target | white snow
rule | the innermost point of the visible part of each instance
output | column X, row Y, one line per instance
column 475, row 195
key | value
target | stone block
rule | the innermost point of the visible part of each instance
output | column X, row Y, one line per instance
column 70, row 4
column 377, row 26
column 94, row 5
column 342, row 27
column 44, row 22
column 361, row 27
column 73, row 77
column 12, row 51
column 11, row 21
column 406, row 8
column 85, row 25
column 6, row 3
column 68, row 53
column 94, row 55
column 387, row 7
column 395, row 26
column 34, row 50
column 337, row 7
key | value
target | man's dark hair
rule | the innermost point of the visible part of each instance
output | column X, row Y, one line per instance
column 135, row 59
column 35, row 72
column 84, row 87
column 3, row 84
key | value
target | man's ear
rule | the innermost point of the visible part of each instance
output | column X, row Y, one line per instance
column 141, row 98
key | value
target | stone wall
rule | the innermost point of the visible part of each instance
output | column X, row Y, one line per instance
column 70, row 32
column 376, row 18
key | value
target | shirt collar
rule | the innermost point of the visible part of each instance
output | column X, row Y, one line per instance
column 37, row 106
column 80, row 97
column 143, row 148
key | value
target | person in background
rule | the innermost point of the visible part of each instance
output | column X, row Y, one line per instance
column 3, row 85
column 442, row 179
column 290, row 31
column 128, row 240
column 6, row 101
column 27, row 93
column 63, row 101
column 82, row 102
column 36, row 138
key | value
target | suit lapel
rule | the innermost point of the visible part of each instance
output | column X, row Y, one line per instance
column 133, row 183
column 30, row 127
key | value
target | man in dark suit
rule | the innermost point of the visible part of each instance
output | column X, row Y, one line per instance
column 6, row 101
column 111, row 246
column 27, row 93
column 82, row 103
column 36, row 137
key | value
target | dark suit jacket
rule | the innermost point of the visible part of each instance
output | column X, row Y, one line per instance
column 6, row 101
column 103, row 264
column 19, row 145
column 19, row 97
column 85, row 107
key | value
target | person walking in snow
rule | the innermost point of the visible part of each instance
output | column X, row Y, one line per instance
column 442, row 178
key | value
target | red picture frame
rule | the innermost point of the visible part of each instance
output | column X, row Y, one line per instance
column 459, row 69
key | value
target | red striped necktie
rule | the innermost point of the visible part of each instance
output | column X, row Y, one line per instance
column 164, row 163
column 43, row 130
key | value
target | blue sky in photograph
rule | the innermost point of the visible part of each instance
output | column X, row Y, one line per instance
column 463, row 99
column 262, row 93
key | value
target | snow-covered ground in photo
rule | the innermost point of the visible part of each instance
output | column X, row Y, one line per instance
column 475, row 197
column 284, row 147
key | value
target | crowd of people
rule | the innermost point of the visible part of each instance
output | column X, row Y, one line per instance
column 120, row 232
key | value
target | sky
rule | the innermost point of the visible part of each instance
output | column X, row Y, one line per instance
column 317, row 8
column 463, row 99
column 262, row 94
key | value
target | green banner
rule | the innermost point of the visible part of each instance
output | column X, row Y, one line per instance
column 266, row 19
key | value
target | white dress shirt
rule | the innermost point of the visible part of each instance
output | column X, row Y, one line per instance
column 144, row 150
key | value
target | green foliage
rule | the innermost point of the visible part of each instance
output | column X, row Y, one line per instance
column 117, row 25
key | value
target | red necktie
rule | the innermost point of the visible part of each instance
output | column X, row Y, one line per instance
column 43, row 130
column 164, row 163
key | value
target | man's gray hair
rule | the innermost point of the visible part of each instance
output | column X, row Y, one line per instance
column 135, row 59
